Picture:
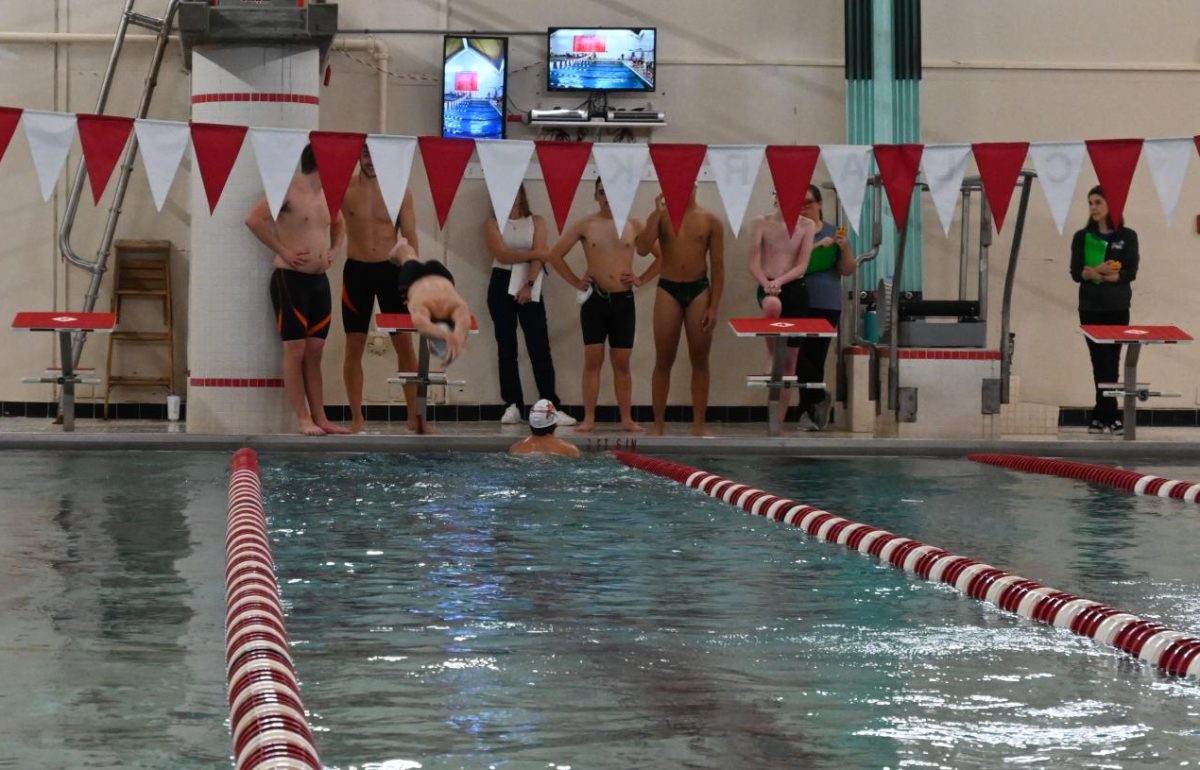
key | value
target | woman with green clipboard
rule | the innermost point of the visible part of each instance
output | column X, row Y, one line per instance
column 1104, row 261
column 831, row 259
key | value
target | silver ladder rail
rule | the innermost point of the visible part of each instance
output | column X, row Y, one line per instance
column 97, row 267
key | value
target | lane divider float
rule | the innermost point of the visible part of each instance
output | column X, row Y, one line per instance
column 1173, row 652
column 269, row 724
column 1130, row 481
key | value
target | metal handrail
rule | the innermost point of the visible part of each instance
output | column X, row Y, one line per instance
column 1007, row 339
column 99, row 265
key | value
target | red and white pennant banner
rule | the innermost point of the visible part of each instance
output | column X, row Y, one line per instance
column 621, row 167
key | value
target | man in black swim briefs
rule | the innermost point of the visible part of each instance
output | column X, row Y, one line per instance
column 689, row 293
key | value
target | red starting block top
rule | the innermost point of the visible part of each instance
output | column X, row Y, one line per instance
column 1136, row 335
column 402, row 322
column 782, row 327
column 64, row 321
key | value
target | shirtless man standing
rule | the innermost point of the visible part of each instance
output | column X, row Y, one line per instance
column 609, row 313
column 304, row 243
column 689, row 292
column 778, row 261
column 367, row 275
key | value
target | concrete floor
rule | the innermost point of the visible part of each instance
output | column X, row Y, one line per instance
column 741, row 438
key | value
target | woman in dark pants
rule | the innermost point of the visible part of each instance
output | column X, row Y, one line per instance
column 1104, row 261
column 831, row 259
column 521, row 241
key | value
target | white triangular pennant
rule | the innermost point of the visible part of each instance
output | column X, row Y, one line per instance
column 1058, row 165
column 49, row 135
column 505, row 163
column 944, row 166
column 392, row 157
column 161, row 144
column 621, row 167
column 735, row 168
column 1168, row 160
column 849, row 167
column 277, row 152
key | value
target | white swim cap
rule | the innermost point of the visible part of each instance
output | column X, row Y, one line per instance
column 543, row 414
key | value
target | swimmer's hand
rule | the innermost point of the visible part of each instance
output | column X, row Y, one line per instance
column 328, row 258
column 584, row 283
column 295, row 258
column 630, row 280
column 402, row 252
column 772, row 287
column 453, row 347
column 709, row 321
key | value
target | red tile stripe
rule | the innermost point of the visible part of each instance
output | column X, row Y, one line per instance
column 1129, row 481
column 1172, row 652
column 234, row 382
column 267, row 716
column 252, row 97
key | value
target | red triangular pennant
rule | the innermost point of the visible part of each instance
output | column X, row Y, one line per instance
column 999, row 164
column 677, row 165
column 337, row 154
column 562, row 167
column 898, row 166
column 1115, row 161
column 9, row 118
column 445, row 161
column 103, row 139
column 216, row 147
column 791, row 171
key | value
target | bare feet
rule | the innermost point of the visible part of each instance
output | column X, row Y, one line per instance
column 414, row 424
column 629, row 426
column 658, row 429
column 309, row 428
column 333, row 429
column 423, row 428
column 587, row 426
column 356, row 426
column 701, row 431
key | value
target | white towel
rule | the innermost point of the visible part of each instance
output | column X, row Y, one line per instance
column 518, row 277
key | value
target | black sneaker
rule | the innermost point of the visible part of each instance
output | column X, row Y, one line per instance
column 1097, row 427
column 1117, row 428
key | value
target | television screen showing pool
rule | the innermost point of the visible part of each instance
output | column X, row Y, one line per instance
column 474, row 82
column 601, row 59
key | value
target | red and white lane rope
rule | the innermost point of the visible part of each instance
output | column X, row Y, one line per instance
column 1172, row 651
column 1130, row 481
column 267, row 717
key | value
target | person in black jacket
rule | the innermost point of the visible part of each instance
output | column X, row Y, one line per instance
column 1104, row 261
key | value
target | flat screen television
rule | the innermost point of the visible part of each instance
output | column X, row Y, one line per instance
column 604, row 59
column 474, row 86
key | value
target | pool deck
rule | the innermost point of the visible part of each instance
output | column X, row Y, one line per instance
column 728, row 438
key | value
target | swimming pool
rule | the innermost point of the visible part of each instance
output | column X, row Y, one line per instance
column 479, row 611
column 598, row 76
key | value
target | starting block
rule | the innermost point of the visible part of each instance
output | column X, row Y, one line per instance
column 777, row 382
column 65, row 325
column 1135, row 337
column 402, row 322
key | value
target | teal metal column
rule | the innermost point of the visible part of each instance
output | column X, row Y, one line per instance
column 883, row 106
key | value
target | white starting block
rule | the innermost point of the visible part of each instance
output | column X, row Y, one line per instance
column 777, row 382
column 422, row 378
column 65, row 324
column 1135, row 337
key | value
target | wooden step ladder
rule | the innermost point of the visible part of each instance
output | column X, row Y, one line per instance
column 142, row 272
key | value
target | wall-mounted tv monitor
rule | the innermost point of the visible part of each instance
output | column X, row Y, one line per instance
column 474, row 86
column 601, row 59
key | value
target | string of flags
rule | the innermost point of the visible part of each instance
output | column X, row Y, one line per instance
column 621, row 167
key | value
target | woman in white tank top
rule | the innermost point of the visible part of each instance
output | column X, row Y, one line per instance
column 514, row 298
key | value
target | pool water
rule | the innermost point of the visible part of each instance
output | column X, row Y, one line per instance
column 479, row 611
column 486, row 612
column 598, row 76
